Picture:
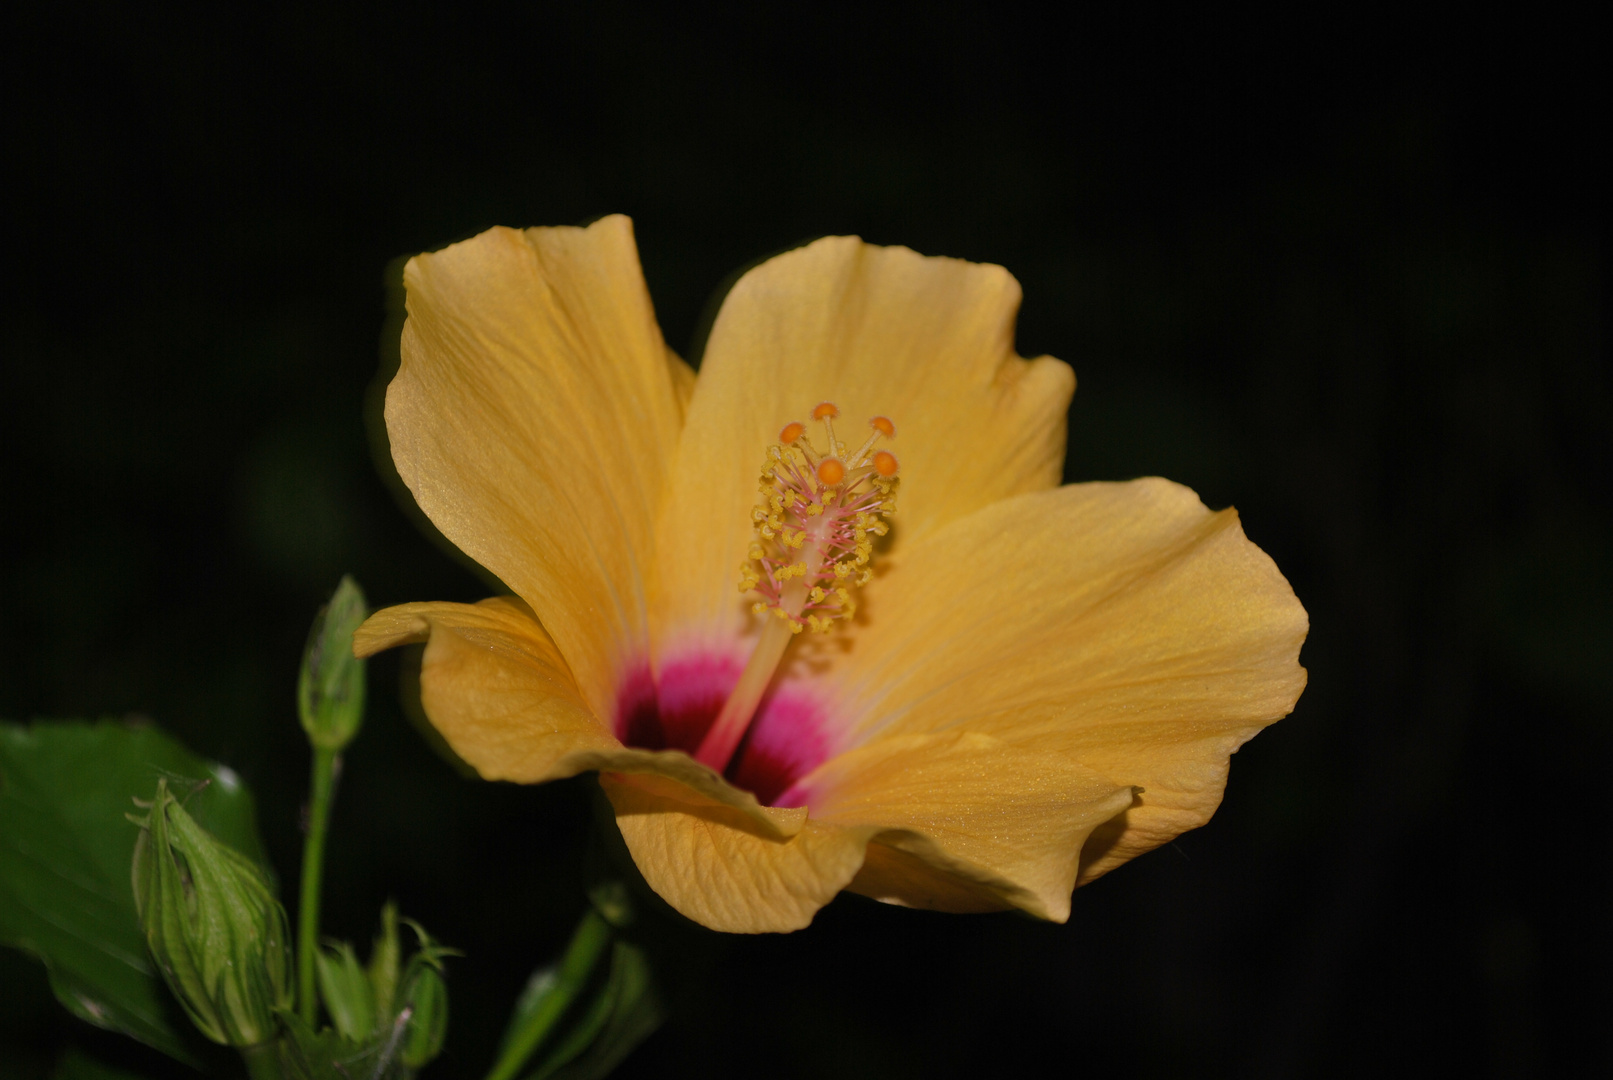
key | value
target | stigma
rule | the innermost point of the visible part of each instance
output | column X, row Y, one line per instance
column 821, row 508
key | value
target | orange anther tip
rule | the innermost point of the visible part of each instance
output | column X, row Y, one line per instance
column 885, row 463
column 883, row 425
column 791, row 432
column 826, row 408
column 833, row 470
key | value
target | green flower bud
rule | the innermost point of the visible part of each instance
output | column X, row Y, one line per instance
column 330, row 687
column 613, row 902
column 213, row 925
column 425, row 996
column 345, row 989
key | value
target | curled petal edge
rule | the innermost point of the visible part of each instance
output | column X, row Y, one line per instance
column 715, row 866
column 968, row 822
column 499, row 692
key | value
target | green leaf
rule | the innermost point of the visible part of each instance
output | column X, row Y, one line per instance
column 75, row 1064
column 625, row 1012
column 65, row 852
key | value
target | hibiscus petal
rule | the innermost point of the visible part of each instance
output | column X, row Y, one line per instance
column 532, row 417
column 1000, row 823
column 1121, row 626
column 717, row 867
column 882, row 331
column 495, row 686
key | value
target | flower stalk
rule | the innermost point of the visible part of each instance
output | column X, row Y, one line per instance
column 325, row 767
column 330, row 705
column 589, row 943
column 263, row 1062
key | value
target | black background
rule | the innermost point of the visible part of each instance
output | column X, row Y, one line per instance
column 1345, row 272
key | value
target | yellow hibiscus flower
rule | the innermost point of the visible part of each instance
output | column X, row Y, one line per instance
column 1032, row 685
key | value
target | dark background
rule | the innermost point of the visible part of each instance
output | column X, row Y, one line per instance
column 1344, row 272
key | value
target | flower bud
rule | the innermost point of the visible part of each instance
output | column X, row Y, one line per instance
column 213, row 925
column 330, row 687
column 613, row 902
column 425, row 995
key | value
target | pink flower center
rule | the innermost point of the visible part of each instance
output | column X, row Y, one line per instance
column 819, row 514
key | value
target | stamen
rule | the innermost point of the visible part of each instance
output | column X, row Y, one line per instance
column 881, row 426
column 814, row 542
column 827, row 411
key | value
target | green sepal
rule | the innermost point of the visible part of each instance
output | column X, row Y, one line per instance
column 330, row 684
column 213, row 924
column 344, row 987
column 383, row 1018
column 385, row 957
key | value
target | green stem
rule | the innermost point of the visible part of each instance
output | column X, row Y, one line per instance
column 588, row 944
column 262, row 1061
column 313, row 868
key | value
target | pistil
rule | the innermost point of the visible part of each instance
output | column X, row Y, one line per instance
column 814, row 542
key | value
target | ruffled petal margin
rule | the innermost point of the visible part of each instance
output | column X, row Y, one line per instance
column 1123, row 628
column 967, row 822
